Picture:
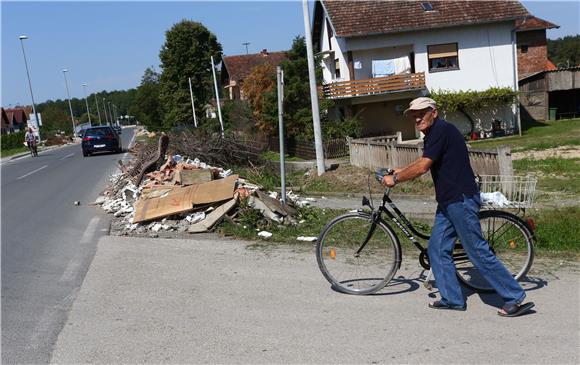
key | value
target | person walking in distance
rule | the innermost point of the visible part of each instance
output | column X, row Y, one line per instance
column 30, row 140
column 445, row 155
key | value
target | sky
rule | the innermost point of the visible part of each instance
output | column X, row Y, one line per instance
column 109, row 44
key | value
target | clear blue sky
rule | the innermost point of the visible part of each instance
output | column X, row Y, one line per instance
column 108, row 45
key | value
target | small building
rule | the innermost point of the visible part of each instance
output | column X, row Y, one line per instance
column 7, row 122
column 18, row 119
column 550, row 94
column 236, row 68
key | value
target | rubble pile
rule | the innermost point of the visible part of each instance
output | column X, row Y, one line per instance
column 186, row 196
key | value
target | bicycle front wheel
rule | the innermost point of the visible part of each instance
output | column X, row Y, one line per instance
column 351, row 265
column 509, row 239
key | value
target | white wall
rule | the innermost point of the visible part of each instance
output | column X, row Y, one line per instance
column 485, row 54
column 339, row 48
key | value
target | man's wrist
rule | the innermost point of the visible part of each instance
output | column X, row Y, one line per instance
column 395, row 178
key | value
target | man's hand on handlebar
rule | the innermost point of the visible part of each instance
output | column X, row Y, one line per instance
column 386, row 177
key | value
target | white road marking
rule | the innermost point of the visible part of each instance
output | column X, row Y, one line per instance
column 32, row 172
column 75, row 263
column 67, row 156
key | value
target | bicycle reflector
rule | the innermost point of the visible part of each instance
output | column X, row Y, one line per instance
column 332, row 253
column 532, row 224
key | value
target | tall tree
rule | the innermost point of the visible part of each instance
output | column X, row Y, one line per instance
column 186, row 53
column 257, row 84
column 147, row 106
column 565, row 52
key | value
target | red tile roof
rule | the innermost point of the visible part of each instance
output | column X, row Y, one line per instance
column 550, row 66
column 238, row 67
column 20, row 115
column 357, row 18
column 533, row 23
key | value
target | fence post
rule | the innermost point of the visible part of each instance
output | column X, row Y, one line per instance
column 504, row 159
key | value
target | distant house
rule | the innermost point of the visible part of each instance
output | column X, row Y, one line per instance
column 379, row 55
column 7, row 122
column 18, row 118
column 236, row 68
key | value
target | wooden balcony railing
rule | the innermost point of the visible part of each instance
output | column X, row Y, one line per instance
column 378, row 85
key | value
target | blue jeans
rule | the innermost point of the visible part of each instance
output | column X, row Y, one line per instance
column 462, row 219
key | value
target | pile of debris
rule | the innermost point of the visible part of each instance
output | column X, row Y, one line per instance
column 184, row 195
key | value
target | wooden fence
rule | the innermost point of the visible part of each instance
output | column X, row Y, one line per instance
column 374, row 153
column 333, row 148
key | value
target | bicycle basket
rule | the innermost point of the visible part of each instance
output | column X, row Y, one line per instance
column 502, row 191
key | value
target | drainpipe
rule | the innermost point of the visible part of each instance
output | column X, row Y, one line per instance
column 516, row 87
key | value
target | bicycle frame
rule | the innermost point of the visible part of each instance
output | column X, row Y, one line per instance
column 398, row 218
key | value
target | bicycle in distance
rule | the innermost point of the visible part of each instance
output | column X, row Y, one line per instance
column 360, row 252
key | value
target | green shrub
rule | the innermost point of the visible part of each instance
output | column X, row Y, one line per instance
column 13, row 140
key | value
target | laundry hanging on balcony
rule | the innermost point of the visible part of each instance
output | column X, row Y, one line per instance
column 393, row 66
column 383, row 68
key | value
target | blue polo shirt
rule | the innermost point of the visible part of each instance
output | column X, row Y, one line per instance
column 451, row 170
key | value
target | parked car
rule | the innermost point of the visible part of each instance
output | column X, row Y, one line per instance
column 118, row 129
column 101, row 139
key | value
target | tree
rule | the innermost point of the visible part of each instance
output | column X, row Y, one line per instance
column 565, row 52
column 186, row 53
column 257, row 84
column 147, row 106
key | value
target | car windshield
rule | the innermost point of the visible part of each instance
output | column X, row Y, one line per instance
column 94, row 132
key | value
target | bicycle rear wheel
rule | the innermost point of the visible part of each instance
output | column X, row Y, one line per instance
column 351, row 271
column 509, row 239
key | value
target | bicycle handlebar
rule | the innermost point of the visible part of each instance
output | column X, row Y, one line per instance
column 381, row 173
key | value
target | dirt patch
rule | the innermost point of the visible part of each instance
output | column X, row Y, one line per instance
column 558, row 152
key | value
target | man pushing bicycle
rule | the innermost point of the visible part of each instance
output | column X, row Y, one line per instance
column 445, row 155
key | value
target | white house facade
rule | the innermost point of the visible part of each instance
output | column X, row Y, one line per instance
column 373, row 68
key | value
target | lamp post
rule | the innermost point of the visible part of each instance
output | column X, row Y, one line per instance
column 97, row 105
column 105, row 109
column 64, row 71
column 22, row 38
column 87, row 102
column 110, row 114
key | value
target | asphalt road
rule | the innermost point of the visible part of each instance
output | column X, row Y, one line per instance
column 48, row 243
column 170, row 301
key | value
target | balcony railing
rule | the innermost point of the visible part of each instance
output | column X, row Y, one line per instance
column 374, row 86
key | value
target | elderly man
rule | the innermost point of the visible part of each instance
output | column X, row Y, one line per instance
column 445, row 154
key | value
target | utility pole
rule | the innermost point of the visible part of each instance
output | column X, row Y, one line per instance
column 217, row 96
column 280, row 79
column 313, row 91
column 246, row 44
column 192, row 105
column 97, row 105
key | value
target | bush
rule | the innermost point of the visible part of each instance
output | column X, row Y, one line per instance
column 13, row 140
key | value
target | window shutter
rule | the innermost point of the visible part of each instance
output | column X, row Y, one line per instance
column 442, row 50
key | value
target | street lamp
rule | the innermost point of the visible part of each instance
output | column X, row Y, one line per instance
column 97, row 105
column 22, row 38
column 64, row 71
column 105, row 109
column 87, row 102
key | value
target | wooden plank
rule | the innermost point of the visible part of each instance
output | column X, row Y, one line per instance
column 191, row 177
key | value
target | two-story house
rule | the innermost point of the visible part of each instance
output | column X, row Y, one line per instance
column 379, row 55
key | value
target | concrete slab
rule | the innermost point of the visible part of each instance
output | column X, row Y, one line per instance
column 226, row 301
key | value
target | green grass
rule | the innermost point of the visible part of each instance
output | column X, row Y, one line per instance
column 555, row 175
column 13, row 151
column 275, row 156
column 538, row 136
column 557, row 230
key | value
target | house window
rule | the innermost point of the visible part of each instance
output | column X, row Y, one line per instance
column 443, row 57
column 336, row 68
column 524, row 49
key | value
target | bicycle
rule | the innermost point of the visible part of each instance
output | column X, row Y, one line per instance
column 359, row 252
column 32, row 147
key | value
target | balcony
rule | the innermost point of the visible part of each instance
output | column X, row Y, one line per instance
column 374, row 86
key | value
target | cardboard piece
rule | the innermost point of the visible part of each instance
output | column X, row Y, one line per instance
column 275, row 205
column 192, row 177
column 175, row 202
column 212, row 218
column 181, row 200
column 213, row 191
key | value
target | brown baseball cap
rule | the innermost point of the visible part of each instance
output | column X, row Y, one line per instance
column 420, row 104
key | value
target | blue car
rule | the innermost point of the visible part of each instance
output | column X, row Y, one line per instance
column 101, row 139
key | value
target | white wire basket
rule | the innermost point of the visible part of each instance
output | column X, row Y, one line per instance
column 501, row 191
